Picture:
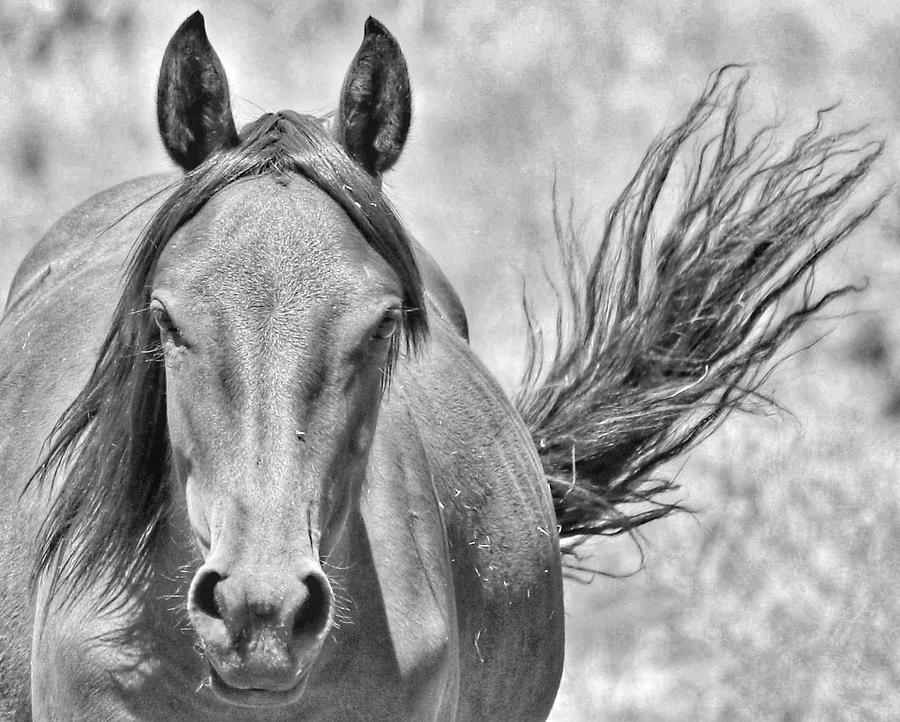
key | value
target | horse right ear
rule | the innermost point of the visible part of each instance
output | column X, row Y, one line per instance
column 193, row 108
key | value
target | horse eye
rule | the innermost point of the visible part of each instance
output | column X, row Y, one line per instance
column 164, row 322
column 388, row 326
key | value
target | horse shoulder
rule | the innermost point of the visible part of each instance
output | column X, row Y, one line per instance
column 80, row 669
column 97, row 657
column 57, row 310
column 499, row 522
column 401, row 583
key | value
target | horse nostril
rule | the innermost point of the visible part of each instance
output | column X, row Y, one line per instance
column 204, row 594
column 313, row 613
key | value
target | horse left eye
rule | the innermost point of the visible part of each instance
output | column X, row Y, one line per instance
column 387, row 327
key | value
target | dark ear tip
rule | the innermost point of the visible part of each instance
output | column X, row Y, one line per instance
column 373, row 27
column 194, row 22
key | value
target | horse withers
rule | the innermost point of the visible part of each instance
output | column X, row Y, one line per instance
column 262, row 476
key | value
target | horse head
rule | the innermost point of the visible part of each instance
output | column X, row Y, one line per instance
column 280, row 306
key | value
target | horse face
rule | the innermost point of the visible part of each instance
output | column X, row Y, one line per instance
column 276, row 320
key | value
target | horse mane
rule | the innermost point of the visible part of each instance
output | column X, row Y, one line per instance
column 111, row 442
column 671, row 326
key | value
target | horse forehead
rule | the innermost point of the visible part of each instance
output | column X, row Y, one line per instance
column 265, row 236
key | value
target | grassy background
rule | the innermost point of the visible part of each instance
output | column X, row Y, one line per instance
column 781, row 598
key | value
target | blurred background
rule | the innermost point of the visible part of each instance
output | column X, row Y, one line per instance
column 780, row 598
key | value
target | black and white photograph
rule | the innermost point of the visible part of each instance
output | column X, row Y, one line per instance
column 467, row 361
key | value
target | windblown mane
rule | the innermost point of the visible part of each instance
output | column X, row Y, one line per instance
column 112, row 440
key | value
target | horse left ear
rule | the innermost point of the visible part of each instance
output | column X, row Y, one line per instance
column 374, row 111
column 193, row 107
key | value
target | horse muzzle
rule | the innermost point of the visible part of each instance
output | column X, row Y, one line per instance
column 260, row 631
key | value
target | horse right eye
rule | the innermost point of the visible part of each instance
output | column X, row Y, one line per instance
column 164, row 322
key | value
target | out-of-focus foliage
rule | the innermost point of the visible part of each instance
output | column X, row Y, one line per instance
column 781, row 599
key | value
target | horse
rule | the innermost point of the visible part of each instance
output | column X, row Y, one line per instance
column 260, row 475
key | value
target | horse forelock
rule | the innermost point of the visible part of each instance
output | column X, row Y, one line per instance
column 284, row 144
column 112, row 440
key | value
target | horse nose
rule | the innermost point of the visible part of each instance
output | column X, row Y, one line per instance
column 259, row 628
column 301, row 606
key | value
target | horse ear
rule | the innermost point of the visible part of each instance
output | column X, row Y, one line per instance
column 192, row 104
column 375, row 108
